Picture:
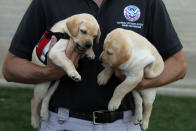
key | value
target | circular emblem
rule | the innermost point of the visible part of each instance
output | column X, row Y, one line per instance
column 132, row 13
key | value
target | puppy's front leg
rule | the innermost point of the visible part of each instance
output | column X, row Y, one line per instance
column 125, row 87
column 57, row 55
column 104, row 76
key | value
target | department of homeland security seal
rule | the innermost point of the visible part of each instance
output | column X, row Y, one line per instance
column 132, row 13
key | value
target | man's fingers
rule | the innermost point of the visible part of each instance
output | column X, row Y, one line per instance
column 70, row 48
column 75, row 57
column 53, row 41
column 76, row 61
column 71, row 53
column 120, row 74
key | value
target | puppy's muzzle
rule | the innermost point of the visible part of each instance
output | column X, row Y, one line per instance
column 84, row 47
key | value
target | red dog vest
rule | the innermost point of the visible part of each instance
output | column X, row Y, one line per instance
column 42, row 48
column 43, row 45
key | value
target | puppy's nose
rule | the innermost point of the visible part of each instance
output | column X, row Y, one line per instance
column 88, row 45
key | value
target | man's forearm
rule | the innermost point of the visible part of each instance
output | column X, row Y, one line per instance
column 20, row 70
column 175, row 69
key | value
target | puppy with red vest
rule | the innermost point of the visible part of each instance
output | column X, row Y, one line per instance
column 138, row 58
column 83, row 29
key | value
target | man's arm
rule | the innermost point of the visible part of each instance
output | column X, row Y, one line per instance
column 175, row 69
column 16, row 69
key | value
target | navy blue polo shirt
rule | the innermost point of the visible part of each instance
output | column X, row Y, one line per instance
column 146, row 17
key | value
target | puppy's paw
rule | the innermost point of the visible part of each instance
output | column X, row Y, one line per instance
column 44, row 114
column 114, row 104
column 137, row 118
column 101, row 79
column 74, row 75
column 144, row 125
column 91, row 56
column 35, row 121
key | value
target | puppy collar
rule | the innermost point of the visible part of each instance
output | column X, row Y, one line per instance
column 58, row 35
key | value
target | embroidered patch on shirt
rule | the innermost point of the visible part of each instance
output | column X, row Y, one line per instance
column 132, row 13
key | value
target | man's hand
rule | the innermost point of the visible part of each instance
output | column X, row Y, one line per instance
column 53, row 70
column 71, row 53
column 119, row 74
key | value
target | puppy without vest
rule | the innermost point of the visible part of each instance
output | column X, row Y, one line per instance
column 138, row 58
column 83, row 29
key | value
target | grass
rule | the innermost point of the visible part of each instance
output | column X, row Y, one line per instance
column 173, row 114
column 169, row 113
column 15, row 109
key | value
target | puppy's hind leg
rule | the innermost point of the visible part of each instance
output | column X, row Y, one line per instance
column 40, row 91
column 154, row 69
column 148, row 100
column 137, row 118
column 44, row 113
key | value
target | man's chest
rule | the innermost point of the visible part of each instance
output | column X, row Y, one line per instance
column 127, row 14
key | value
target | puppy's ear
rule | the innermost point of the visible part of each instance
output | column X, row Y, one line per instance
column 98, row 36
column 73, row 25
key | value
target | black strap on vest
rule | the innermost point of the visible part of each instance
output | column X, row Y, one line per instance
column 58, row 35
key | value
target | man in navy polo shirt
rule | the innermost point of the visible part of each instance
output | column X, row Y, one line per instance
column 74, row 104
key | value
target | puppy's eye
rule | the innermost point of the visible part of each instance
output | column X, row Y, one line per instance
column 83, row 31
column 109, row 52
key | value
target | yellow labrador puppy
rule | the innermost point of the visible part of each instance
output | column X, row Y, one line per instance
column 138, row 58
column 83, row 29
